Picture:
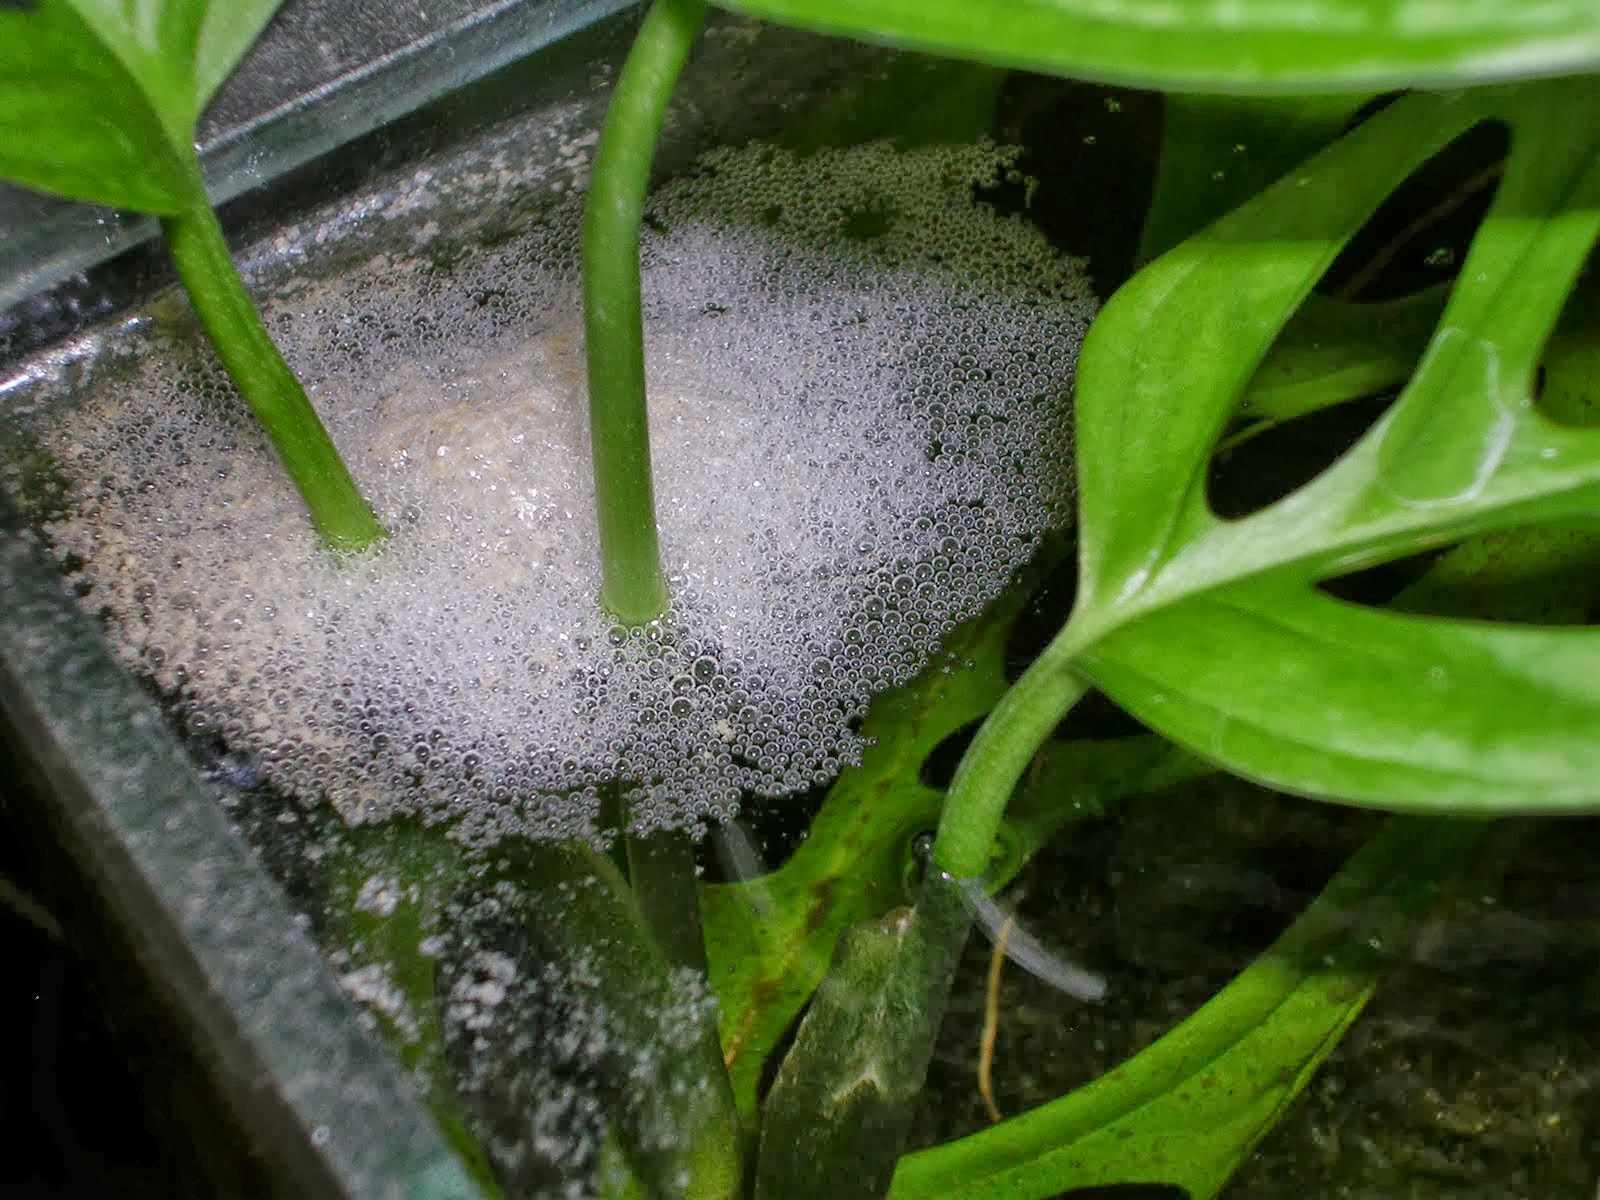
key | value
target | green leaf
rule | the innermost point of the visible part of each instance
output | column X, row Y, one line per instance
column 1332, row 699
column 659, row 1037
column 769, row 940
column 1401, row 711
column 1244, row 46
column 99, row 98
column 1535, row 574
column 1337, row 350
column 837, row 1117
column 73, row 121
column 1188, row 1109
column 1168, row 359
column 1571, row 393
column 414, row 870
column 179, row 51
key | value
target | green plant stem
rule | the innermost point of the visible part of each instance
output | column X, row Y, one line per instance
column 992, row 765
column 663, row 875
column 269, row 387
column 633, row 588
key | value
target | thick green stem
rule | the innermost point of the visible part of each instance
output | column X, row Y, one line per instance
column 992, row 765
column 662, row 874
column 268, row 386
column 633, row 588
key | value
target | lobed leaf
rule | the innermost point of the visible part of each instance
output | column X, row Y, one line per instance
column 1332, row 351
column 1242, row 46
column 770, row 939
column 1212, row 631
column 1170, row 356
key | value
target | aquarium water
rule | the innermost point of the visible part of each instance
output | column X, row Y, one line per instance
column 859, row 387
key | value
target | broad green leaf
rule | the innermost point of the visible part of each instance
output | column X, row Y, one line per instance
column 99, row 98
column 1404, row 712
column 1332, row 699
column 1244, row 46
column 1189, row 1108
column 770, row 939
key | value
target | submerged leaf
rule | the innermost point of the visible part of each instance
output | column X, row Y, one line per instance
column 1333, row 351
column 770, row 939
column 836, row 1119
column 1218, row 151
column 387, row 888
column 1187, row 1110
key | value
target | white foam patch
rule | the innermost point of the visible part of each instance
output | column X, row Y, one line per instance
column 859, row 398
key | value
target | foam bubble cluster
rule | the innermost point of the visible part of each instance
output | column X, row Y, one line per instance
column 859, row 384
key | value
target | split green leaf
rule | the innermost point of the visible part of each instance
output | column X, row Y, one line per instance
column 1181, row 613
column 1463, row 451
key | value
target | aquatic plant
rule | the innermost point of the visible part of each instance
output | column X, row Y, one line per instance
column 1469, row 695
column 99, row 102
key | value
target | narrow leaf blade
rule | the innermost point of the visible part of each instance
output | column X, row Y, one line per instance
column 1189, row 1108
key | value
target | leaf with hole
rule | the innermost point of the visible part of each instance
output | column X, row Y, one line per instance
column 1333, row 351
column 1214, row 631
column 770, row 939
